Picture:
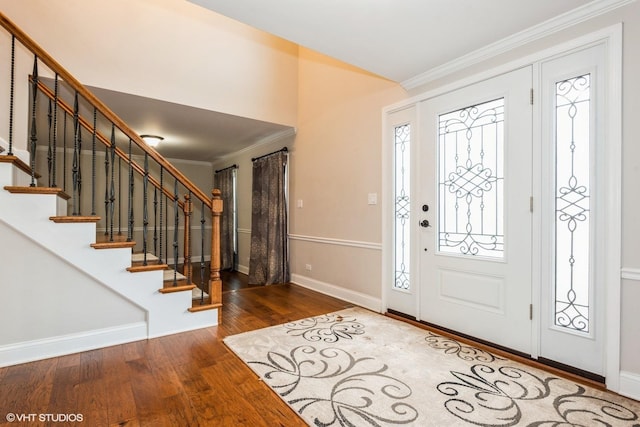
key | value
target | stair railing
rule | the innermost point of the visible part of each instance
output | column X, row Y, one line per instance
column 130, row 167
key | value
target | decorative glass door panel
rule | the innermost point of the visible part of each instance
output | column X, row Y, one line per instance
column 470, row 193
column 402, row 187
column 572, row 225
column 400, row 287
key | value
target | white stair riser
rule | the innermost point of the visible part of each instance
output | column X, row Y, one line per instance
column 34, row 207
column 11, row 175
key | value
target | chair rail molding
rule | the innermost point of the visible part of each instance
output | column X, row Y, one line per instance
column 339, row 242
column 630, row 274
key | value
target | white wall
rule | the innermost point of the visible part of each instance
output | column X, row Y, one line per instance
column 42, row 298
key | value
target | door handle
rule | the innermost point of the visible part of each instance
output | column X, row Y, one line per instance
column 424, row 223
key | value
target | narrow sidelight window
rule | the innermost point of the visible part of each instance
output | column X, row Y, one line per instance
column 402, row 140
column 572, row 200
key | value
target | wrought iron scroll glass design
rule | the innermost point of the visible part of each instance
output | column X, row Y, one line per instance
column 572, row 194
column 471, row 181
column 402, row 140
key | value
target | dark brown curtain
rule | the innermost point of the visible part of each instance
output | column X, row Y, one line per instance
column 269, row 258
column 224, row 181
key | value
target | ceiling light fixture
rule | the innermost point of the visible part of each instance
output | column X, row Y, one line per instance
column 152, row 140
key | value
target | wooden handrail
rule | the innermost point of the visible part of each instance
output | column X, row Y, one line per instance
column 54, row 66
column 103, row 139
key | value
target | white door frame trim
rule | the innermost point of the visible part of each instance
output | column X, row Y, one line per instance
column 611, row 37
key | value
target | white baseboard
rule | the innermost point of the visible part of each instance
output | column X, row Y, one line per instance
column 630, row 385
column 353, row 297
column 29, row 351
column 243, row 269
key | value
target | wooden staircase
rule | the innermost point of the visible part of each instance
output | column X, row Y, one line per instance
column 42, row 214
column 38, row 214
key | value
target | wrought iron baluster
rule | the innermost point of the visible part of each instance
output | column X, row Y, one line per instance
column 106, row 186
column 49, row 142
column 93, row 162
column 162, row 198
column 155, row 220
column 119, row 196
column 64, row 154
column 175, row 232
column 12, row 92
column 79, row 169
column 145, row 209
column 54, row 182
column 112, row 195
column 75, row 170
column 130, row 204
column 202, row 267
column 34, row 131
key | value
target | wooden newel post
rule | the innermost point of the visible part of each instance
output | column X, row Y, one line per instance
column 215, row 283
column 188, row 209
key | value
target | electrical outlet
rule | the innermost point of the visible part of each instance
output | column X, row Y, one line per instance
column 307, row 267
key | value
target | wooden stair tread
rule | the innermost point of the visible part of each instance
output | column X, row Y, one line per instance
column 150, row 267
column 19, row 164
column 171, row 289
column 37, row 190
column 196, row 307
column 74, row 219
column 112, row 245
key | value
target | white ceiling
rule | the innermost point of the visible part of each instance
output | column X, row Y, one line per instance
column 396, row 39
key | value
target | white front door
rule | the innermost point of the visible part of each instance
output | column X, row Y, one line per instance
column 511, row 238
column 473, row 198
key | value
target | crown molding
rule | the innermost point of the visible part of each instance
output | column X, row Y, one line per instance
column 544, row 29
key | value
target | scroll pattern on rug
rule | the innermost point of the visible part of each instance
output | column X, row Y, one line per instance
column 334, row 371
column 362, row 393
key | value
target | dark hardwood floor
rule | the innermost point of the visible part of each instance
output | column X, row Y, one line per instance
column 188, row 379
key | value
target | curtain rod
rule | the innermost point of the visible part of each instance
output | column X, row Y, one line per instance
column 284, row 149
column 234, row 166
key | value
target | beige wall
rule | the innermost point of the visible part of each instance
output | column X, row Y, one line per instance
column 336, row 164
column 182, row 53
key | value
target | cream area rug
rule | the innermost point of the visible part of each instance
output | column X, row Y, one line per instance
column 358, row 368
